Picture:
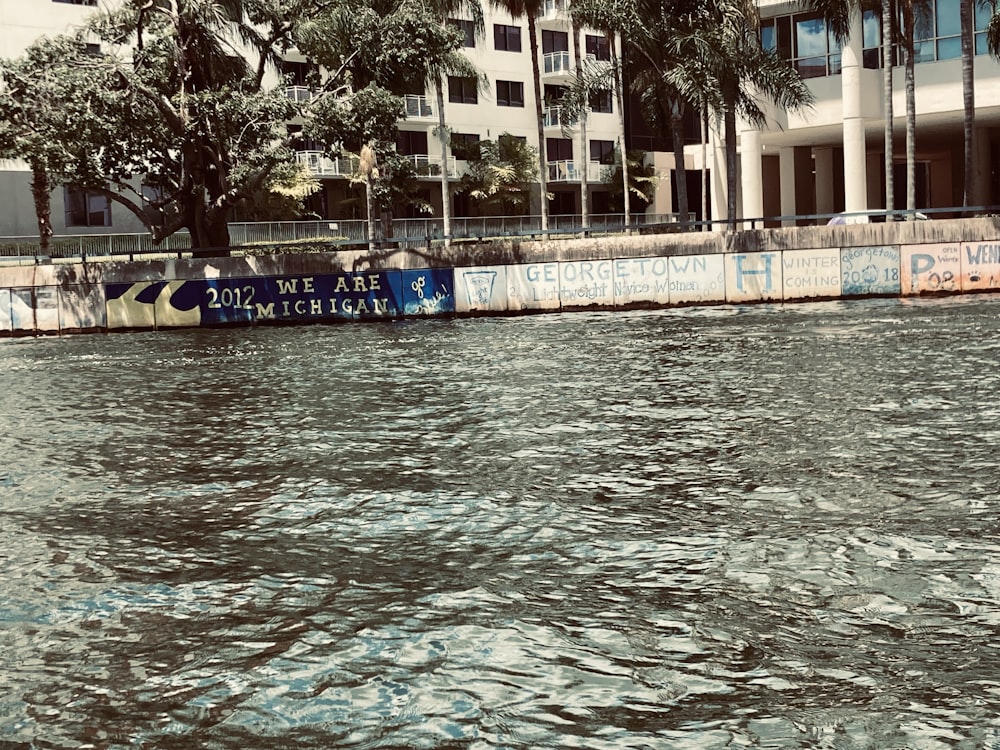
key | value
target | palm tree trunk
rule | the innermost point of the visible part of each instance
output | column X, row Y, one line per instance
column 890, row 198
column 911, row 112
column 680, row 171
column 584, row 150
column 543, row 173
column 729, row 95
column 969, row 102
column 445, row 186
column 706, row 191
column 620, row 103
column 41, row 194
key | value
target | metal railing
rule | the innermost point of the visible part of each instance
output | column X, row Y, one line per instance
column 417, row 106
column 430, row 166
column 298, row 93
column 556, row 62
column 321, row 165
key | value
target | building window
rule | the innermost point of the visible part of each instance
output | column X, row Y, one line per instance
column 91, row 3
column 559, row 149
column 602, row 152
column 85, row 209
column 468, row 28
column 597, row 47
column 411, row 143
column 462, row 90
column 554, row 41
column 600, row 101
column 510, row 94
column 465, row 145
column 816, row 52
column 506, row 38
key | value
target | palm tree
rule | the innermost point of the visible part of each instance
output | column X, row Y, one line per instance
column 458, row 65
column 582, row 121
column 735, row 71
column 968, row 101
column 531, row 9
column 887, row 65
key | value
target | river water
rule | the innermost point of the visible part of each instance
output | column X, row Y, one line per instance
column 764, row 526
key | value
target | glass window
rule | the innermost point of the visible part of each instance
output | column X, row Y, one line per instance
column 462, row 90
column 465, row 145
column 559, row 149
column 468, row 28
column 554, row 41
column 600, row 101
column 506, row 38
column 510, row 94
column 597, row 47
column 86, row 209
column 602, row 151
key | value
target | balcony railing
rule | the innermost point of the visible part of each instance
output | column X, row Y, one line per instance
column 556, row 62
column 320, row 165
column 563, row 171
column 550, row 117
column 430, row 166
column 298, row 93
column 418, row 106
column 553, row 9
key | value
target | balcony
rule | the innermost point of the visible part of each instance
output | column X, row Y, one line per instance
column 299, row 94
column 563, row 171
column 418, row 107
column 554, row 10
column 597, row 172
column 557, row 64
column 430, row 166
column 550, row 117
column 320, row 165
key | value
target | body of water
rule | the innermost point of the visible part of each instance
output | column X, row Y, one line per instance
column 765, row 526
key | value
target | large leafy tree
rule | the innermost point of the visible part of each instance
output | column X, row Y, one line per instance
column 194, row 130
column 45, row 115
column 501, row 174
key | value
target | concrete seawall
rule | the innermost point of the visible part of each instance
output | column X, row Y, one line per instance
column 504, row 277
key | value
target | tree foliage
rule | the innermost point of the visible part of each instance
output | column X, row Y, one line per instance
column 500, row 177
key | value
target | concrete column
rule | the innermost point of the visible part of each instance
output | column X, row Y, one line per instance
column 751, row 175
column 786, row 175
column 855, row 173
column 823, row 165
column 717, row 151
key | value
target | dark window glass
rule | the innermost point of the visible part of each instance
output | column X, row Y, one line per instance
column 600, row 101
column 465, row 145
column 91, row 3
column 411, row 143
column 510, row 94
column 554, row 41
column 462, row 90
column 559, row 149
column 597, row 46
column 602, row 151
column 84, row 209
column 466, row 27
column 507, row 38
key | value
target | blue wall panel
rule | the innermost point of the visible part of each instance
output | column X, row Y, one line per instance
column 429, row 291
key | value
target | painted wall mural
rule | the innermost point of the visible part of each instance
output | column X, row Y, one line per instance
column 619, row 283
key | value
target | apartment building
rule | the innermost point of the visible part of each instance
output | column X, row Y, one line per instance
column 830, row 158
column 505, row 104
column 824, row 159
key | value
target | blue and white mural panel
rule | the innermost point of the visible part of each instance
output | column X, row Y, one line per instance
column 533, row 286
column 930, row 269
column 869, row 270
column 696, row 279
column 980, row 266
column 481, row 289
column 428, row 291
column 6, row 318
column 82, row 307
column 753, row 277
column 640, row 281
column 810, row 273
column 586, row 283
column 131, row 305
column 35, row 309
